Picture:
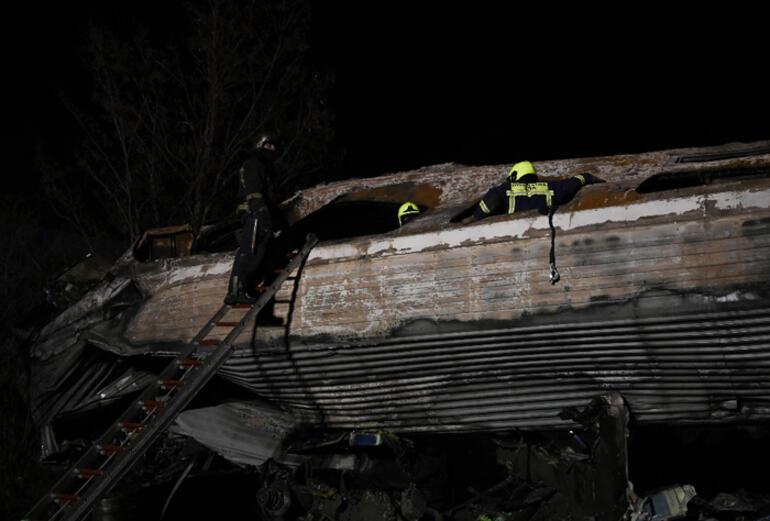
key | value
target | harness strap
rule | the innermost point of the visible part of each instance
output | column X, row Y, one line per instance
column 528, row 190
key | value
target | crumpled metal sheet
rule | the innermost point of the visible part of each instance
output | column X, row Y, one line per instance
column 131, row 381
column 246, row 433
column 91, row 379
column 105, row 304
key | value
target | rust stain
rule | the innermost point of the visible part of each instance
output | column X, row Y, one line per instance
column 602, row 196
column 423, row 194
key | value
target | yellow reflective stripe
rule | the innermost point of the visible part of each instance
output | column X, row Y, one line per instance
column 528, row 190
column 517, row 190
column 244, row 207
column 484, row 207
column 540, row 189
column 580, row 178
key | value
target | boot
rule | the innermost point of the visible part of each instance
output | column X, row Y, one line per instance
column 236, row 294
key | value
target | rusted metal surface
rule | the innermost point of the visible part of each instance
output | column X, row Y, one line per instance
column 460, row 184
column 622, row 254
column 166, row 242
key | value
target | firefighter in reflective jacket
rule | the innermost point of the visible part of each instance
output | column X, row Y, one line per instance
column 257, row 216
column 522, row 191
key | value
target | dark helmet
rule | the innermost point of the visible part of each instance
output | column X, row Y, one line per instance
column 265, row 141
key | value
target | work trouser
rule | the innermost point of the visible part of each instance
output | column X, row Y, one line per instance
column 249, row 264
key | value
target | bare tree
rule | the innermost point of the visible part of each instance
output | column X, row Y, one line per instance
column 169, row 121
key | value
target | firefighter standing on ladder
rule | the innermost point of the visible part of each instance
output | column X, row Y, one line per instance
column 523, row 191
column 257, row 216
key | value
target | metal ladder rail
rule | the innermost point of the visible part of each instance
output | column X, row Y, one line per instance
column 110, row 457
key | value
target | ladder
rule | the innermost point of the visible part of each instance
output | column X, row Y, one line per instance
column 112, row 455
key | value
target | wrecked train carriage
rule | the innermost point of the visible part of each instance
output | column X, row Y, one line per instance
column 439, row 327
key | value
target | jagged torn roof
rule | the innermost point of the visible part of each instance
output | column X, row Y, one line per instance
column 451, row 185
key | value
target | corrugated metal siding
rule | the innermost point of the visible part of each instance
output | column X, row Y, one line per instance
column 700, row 367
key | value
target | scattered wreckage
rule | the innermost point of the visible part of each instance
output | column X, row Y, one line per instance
column 435, row 328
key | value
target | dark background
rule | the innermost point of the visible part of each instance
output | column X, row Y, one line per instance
column 473, row 84
column 414, row 86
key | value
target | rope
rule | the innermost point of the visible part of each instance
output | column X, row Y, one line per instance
column 554, row 275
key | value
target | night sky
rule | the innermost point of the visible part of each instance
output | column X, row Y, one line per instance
column 423, row 85
column 418, row 86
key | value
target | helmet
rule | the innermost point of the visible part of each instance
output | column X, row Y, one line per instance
column 521, row 169
column 265, row 141
column 408, row 208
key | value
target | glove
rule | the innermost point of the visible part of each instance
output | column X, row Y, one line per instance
column 255, row 205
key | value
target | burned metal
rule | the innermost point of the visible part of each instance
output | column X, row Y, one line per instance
column 626, row 258
column 439, row 328
column 707, row 367
column 69, row 286
column 244, row 433
column 389, row 476
column 162, row 243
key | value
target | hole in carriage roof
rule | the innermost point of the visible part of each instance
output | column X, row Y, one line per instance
column 345, row 219
column 364, row 212
column 370, row 211
column 691, row 178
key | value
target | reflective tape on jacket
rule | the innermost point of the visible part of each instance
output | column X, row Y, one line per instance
column 244, row 206
column 528, row 190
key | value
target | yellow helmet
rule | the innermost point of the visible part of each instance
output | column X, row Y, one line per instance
column 521, row 169
column 408, row 208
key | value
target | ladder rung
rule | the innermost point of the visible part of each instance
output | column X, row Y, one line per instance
column 150, row 405
column 64, row 499
column 189, row 362
column 109, row 450
column 88, row 473
column 123, row 438
column 170, row 384
column 131, row 426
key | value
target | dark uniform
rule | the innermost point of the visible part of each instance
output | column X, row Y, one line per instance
column 529, row 194
column 258, row 215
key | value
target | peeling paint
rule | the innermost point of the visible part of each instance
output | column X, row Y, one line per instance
column 175, row 276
